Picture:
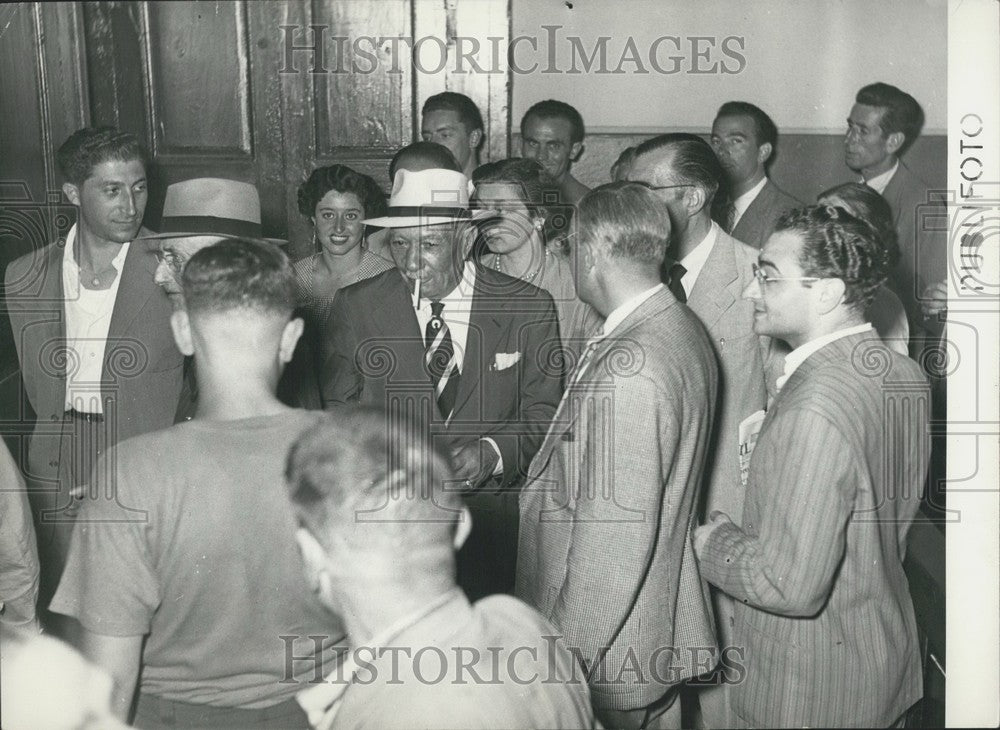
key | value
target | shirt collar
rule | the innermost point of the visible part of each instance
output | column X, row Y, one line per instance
column 880, row 182
column 694, row 262
column 799, row 355
column 71, row 269
column 743, row 202
column 625, row 309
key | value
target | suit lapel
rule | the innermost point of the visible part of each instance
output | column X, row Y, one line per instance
column 137, row 285
column 483, row 339
column 711, row 296
column 394, row 320
column 48, row 331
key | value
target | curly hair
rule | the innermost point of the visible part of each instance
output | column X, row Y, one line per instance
column 87, row 148
column 344, row 180
column 865, row 203
column 838, row 245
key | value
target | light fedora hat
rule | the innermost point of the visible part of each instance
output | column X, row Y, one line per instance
column 426, row 198
column 212, row 206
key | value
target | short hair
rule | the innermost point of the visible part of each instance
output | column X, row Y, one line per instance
column 766, row 131
column 87, row 148
column 865, row 203
column 426, row 155
column 628, row 220
column 452, row 101
column 239, row 274
column 902, row 112
column 343, row 179
column 621, row 166
column 693, row 160
column 838, row 245
column 358, row 466
column 554, row 109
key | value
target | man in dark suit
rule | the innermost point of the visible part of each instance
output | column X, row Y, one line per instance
column 460, row 349
column 883, row 123
column 712, row 272
column 744, row 138
column 605, row 550
column 92, row 329
column 823, row 609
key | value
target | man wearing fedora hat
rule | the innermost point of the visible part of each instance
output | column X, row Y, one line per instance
column 462, row 350
column 197, row 213
column 92, row 330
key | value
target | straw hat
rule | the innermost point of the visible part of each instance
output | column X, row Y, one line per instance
column 212, row 206
column 426, row 198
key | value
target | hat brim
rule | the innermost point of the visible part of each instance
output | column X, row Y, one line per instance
column 189, row 234
column 409, row 221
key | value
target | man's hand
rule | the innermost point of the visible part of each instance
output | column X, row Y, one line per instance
column 935, row 299
column 474, row 462
column 703, row 532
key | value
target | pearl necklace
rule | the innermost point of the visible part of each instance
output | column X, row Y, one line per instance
column 498, row 267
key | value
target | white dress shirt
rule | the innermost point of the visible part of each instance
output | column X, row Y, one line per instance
column 694, row 262
column 799, row 355
column 88, row 318
column 743, row 202
column 880, row 182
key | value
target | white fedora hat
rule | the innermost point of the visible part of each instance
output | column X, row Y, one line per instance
column 211, row 206
column 426, row 198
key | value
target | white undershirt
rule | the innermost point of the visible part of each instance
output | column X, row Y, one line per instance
column 880, row 182
column 694, row 262
column 88, row 318
column 743, row 202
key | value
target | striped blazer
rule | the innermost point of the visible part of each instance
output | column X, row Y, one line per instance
column 823, row 611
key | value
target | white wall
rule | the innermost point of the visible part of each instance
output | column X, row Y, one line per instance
column 804, row 59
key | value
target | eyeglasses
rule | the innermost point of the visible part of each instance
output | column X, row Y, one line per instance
column 763, row 279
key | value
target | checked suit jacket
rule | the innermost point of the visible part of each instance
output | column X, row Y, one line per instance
column 377, row 359
column 823, row 607
column 605, row 549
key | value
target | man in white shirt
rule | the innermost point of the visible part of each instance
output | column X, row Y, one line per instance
column 815, row 564
column 607, row 511
column 685, row 173
column 454, row 347
column 882, row 125
column 97, row 357
column 744, row 138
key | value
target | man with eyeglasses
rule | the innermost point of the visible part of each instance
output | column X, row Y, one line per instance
column 710, row 269
column 815, row 566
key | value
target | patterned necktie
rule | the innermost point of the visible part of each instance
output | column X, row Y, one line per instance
column 729, row 219
column 441, row 361
column 674, row 275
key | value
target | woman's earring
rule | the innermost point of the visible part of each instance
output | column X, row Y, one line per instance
column 539, row 224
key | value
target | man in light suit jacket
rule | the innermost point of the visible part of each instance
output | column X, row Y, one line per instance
column 883, row 123
column 423, row 655
column 823, row 608
column 605, row 550
column 98, row 360
column 467, row 350
column 713, row 270
column 744, row 138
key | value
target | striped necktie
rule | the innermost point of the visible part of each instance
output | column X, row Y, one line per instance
column 441, row 361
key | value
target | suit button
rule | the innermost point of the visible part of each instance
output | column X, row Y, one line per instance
column 722, row 340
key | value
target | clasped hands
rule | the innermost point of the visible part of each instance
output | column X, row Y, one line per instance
column 474, row 462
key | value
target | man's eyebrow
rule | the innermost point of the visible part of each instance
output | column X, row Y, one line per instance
column 762, row 262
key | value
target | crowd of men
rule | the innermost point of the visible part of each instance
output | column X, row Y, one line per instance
column 698, row 513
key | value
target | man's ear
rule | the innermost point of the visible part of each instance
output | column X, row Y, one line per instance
column 764, row 152
column 314, row 558
column 290, row 338
column 694, row 200
column 831, row 295
column 575, row 150
column 463, row 528
column 894, row 142
column 180, row 324
column 475, row 137
column 72, row 192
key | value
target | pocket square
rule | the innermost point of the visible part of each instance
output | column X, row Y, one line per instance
column 504, row 360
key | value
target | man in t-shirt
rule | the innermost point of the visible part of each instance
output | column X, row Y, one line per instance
column 184, row 570
column 381, row 519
